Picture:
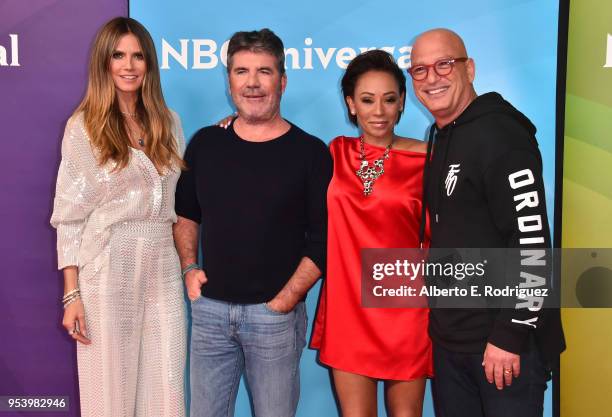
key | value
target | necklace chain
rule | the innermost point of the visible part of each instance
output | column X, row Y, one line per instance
column 369, row 174
column 140, row 140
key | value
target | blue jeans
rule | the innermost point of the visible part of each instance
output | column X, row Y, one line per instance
column 228, row 340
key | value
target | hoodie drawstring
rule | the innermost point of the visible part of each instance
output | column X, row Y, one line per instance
column 426, row 173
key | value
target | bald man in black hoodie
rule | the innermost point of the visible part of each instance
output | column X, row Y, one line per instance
column 487, row 362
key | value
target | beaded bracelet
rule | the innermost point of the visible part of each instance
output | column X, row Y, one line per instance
column 188, row 268
column 72, row 300
column 71, row 294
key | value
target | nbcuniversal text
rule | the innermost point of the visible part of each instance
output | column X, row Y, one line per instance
column 516, row 278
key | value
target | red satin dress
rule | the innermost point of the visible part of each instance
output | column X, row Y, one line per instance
column 382, row 343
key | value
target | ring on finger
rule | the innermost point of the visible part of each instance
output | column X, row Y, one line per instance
column 508, row 371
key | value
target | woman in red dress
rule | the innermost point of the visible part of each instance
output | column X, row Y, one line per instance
column 372, row 208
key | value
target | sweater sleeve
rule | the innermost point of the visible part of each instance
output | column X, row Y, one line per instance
column 517, row 204
column 319, row 175
column 79, row 189
column 186, row 199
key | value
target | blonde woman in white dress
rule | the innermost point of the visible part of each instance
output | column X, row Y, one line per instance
column 113, row 211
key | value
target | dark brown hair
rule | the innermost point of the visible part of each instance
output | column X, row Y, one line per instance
column 375, row 60
column 263, row 40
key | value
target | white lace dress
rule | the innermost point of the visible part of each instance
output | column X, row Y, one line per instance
column 116, row 227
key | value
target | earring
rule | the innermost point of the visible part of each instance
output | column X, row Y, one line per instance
column 353, row 112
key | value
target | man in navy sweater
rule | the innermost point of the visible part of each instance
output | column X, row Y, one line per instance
column 258, row 191
column 483, row 189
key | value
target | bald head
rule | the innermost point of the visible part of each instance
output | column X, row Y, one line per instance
column 447, row 87
column 446, row 37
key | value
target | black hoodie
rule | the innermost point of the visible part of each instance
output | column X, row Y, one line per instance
column 480, row 163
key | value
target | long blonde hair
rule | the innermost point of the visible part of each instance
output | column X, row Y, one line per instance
column 102, row 117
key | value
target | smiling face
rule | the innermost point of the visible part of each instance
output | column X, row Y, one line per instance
column 444, row 96
column 376, row 103
column 256, row 85
column 127, row 65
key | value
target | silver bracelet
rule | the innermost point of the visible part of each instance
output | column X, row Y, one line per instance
column 188, row 268
column 71, row 294
column 72, row 300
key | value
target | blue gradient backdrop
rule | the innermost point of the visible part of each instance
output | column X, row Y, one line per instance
column 513, row 42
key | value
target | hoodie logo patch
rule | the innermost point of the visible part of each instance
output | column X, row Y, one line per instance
column 451, row 178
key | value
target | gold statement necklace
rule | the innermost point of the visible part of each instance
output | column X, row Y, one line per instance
column 369, row 174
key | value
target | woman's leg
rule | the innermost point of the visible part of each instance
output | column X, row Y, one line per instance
column 108, row 367
column 163, row 344
column 356, row 393
column 161, row 358
column 405, row 398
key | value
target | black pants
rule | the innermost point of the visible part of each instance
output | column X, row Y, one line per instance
column 460, row 387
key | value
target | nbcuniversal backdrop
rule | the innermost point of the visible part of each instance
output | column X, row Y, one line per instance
column 513, row 42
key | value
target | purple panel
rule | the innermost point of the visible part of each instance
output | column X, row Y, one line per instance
column 36, row 99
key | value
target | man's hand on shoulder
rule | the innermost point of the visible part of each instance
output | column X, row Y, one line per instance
column 500, row 366
column 226, row 121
